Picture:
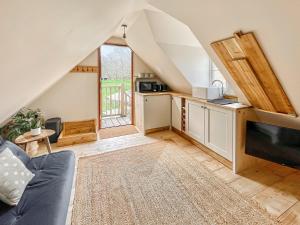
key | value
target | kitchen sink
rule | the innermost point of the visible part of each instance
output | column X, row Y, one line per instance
column 221, row 101
column 206, row 92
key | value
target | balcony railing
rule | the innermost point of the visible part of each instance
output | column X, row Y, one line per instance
column 115, row 101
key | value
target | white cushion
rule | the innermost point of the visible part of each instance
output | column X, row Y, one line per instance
column 14, row 177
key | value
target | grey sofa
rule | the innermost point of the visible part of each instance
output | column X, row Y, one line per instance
column 46, row 198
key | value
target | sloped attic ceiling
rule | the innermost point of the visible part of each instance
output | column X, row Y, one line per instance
column 41, row 41
column 58, row 38
column 181, row 46
column 169, row 47
column 141, row 39
column 275, row 23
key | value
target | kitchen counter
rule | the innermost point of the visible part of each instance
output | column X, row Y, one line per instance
column 154, row 93
column 233, row 106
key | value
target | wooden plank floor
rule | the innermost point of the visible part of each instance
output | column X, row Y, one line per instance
column 115, row 121
column 273, row 187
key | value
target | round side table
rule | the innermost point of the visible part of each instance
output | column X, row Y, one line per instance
column 26, row 138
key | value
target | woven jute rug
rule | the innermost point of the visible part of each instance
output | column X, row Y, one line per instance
column 117, row 131
column 156, row 184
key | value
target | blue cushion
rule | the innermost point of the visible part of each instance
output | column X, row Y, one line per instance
column 16, row 150
column 46, row 198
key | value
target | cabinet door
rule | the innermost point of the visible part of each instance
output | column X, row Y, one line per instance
column 195, row 120
column 219, row 130
column 176, row 113
column 157, row 111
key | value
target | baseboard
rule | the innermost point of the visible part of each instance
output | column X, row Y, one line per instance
column 156, row 130
column 175, row 130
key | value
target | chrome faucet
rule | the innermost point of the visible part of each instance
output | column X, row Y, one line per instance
column 221, row 85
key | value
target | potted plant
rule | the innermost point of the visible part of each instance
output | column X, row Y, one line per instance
column 23, row 121
column 36, row 125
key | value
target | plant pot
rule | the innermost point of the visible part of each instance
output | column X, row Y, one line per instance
column 36, row 131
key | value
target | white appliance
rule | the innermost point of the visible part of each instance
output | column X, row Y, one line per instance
column 207, row 92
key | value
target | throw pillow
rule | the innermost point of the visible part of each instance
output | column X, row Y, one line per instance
column 14, row 177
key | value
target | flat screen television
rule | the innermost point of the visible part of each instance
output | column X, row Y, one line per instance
column 277, row 144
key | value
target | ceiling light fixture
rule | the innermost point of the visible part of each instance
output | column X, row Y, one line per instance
column 124, row 30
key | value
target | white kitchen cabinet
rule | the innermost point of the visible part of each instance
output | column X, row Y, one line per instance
column 219, row 130
column 152, row 111
column 195, row 120
column 212, row 126
column 176, row 112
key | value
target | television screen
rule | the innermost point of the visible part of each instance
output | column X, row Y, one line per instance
column 273, row 143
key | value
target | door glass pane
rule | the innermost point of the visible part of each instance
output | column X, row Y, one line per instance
column 115, row 85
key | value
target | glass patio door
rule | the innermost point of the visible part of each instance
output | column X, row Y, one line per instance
column 116, row 86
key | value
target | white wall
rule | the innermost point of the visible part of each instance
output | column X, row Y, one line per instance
column 193, row 62
column 139, row 66
column 75, row 96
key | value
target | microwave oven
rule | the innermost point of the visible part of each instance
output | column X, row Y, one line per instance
column 146, row 86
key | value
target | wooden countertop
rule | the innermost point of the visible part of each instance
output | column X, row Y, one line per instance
column 155, row 93
column 233, row 106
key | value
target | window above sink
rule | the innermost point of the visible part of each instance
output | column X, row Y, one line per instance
column 215, row 74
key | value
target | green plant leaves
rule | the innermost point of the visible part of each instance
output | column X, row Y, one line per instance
column 22, row 122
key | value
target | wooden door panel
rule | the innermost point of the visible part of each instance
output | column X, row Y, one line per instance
column 248, row 66
column 251, row 86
